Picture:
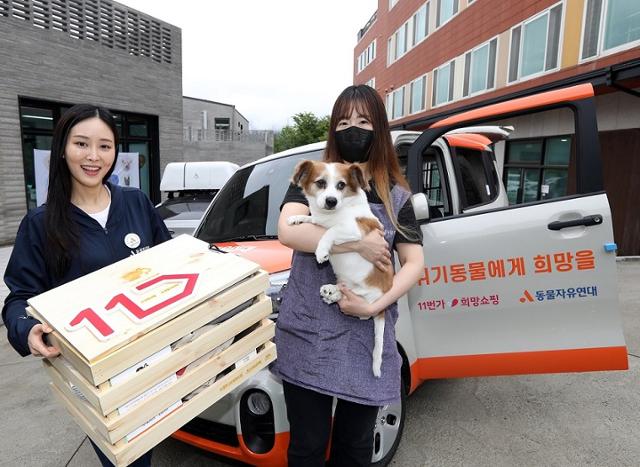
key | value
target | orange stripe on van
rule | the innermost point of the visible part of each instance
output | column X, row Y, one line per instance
column 519, row 363
column 468, row 140
column 275, row 458
column 573, row 93
column 271, row 255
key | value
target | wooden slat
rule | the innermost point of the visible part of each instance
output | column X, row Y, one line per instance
column 108, row 398
column 123, row 454
column 118, row 361
column 188, row 274
column 115, row 427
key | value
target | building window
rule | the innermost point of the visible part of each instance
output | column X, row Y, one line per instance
column 367, row 56
column 537, row 169
column 392, row 3
column 443, row 84
column 395, row 104
column 480, row 68
column 37, row 122
column 535, row 44
column 421, row 24
column 222, row 123
column 610, row 25
column 401, row 41
column 418, row 89
column 222, row 129
column 411, row 33
column 138, row 133
column 446, row 10
column 398, row 103
column 389, row 104
column 371, row 82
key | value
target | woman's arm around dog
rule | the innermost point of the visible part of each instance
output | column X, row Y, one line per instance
column 412, row 262
column 305, row 238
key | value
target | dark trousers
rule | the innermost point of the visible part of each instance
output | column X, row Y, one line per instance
column 309, row 416
column 144, row 461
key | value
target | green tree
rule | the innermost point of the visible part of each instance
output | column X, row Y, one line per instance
column 306, row 129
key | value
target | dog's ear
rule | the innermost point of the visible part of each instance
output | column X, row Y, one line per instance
column 357, row 178
column 302, row 173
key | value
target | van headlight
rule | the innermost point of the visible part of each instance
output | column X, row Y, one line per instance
column 258, row 403
column 257, row 421
column 277, row 285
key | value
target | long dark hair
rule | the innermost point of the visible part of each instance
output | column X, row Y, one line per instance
column 383, row 164
column 61, row 230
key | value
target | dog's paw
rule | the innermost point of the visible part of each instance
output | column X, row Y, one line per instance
column 377, row 365
column 330, row 293
column 322, row 254
column 295, row 220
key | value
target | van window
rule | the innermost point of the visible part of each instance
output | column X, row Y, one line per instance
column 434, row 184
column 477, row 186
column 248, row 206
column 403, row 154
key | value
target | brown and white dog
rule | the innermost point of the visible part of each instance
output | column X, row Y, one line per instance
column 338, row 202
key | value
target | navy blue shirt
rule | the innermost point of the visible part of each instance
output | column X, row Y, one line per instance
column 27, row 275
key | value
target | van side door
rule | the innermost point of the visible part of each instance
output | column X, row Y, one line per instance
column 522, row 289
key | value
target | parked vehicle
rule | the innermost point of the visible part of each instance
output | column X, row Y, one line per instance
column 190, row 187
column 520, row 289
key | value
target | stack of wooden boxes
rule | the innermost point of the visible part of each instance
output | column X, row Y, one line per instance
column 151, row 341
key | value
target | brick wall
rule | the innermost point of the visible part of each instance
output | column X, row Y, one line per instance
column 48, row 64
column 470, row 27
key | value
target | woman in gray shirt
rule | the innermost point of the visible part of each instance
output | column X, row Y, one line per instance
column 324, row 351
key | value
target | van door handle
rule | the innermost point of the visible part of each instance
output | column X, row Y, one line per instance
column 587, row 221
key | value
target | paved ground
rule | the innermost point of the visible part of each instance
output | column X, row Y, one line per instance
column 555, row 420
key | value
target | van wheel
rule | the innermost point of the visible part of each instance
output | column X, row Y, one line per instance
column 388, row 430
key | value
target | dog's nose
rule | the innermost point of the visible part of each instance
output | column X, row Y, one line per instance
column 330, row 202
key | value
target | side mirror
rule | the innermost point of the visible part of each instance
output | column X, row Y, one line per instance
column 420, row 206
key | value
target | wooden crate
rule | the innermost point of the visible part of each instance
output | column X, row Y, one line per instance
column 113, row 427
column 131, row 387
column 103, row 311
column 123, row 453
column 106, row 398
column 99, row 371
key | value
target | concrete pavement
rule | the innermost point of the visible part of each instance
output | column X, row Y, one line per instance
column 560, row 420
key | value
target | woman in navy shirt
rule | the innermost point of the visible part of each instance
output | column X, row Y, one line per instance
column 86, row 224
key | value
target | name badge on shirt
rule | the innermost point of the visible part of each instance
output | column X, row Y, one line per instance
column 132, row 240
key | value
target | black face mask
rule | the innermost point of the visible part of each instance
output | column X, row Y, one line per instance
column 354, row 144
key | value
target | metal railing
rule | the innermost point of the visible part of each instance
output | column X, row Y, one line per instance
column 190, row 134
column 366, row 27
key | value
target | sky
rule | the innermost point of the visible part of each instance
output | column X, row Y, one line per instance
column 271, row 59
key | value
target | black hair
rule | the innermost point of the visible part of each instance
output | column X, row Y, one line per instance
column 61, row 230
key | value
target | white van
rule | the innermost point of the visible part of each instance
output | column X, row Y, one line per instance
column 190, row 187
column 507, row 289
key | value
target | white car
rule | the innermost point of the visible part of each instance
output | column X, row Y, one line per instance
column 520, row 289
column 190, row 187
